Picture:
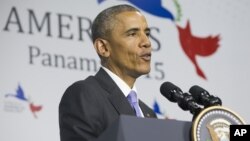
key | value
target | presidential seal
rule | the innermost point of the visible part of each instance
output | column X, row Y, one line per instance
column 212, row 124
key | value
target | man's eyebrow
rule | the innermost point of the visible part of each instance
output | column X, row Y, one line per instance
column 132, row 30
column 137, row 29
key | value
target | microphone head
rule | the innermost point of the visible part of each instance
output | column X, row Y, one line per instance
column 169, row 91
column 199, row 94
column 203, row 97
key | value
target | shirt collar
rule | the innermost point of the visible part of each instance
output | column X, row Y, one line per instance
column 120, row 83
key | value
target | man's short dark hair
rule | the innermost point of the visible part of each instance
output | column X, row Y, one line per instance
column 103, row 23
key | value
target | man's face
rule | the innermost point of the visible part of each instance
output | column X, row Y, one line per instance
column 130, row 46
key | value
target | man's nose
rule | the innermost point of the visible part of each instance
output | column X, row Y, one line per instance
column 145, row 42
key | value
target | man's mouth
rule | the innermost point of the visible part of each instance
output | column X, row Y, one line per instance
column 146, row 56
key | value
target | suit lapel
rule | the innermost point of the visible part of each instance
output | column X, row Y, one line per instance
column 116, row 97
column 121, row 103
column 147, row 112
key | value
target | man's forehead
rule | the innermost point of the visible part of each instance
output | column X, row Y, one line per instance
column 129, row 13
column 130, row 17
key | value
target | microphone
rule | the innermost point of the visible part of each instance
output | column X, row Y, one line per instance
column 203, row 97
column 184, row 100
column 171, row 92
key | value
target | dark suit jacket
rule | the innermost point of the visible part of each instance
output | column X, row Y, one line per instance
column 89, row 106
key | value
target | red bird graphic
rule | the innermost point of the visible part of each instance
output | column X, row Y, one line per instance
column 35, row 108
column 193, row 46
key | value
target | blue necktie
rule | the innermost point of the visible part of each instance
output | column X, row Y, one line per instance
column 132, row 98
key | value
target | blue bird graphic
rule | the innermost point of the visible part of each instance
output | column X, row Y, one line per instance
column 19, row 94
column 156, row 108
column 153, row 7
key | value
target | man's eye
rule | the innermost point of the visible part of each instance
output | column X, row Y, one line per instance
column 148, row 34
column 132, row 34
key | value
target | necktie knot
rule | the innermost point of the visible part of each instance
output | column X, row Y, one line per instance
column 132, row 97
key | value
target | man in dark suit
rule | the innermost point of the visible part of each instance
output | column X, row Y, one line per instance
column 120, row 36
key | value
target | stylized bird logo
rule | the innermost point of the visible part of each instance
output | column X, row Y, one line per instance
column 19, row 94
column 153, row 7
column 35, row 108
column 197, row 46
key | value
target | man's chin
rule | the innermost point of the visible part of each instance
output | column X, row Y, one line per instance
column 145, row 72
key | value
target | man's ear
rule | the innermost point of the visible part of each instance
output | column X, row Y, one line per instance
column 102, row 47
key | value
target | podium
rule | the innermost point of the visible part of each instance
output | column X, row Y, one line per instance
column 130, row 128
